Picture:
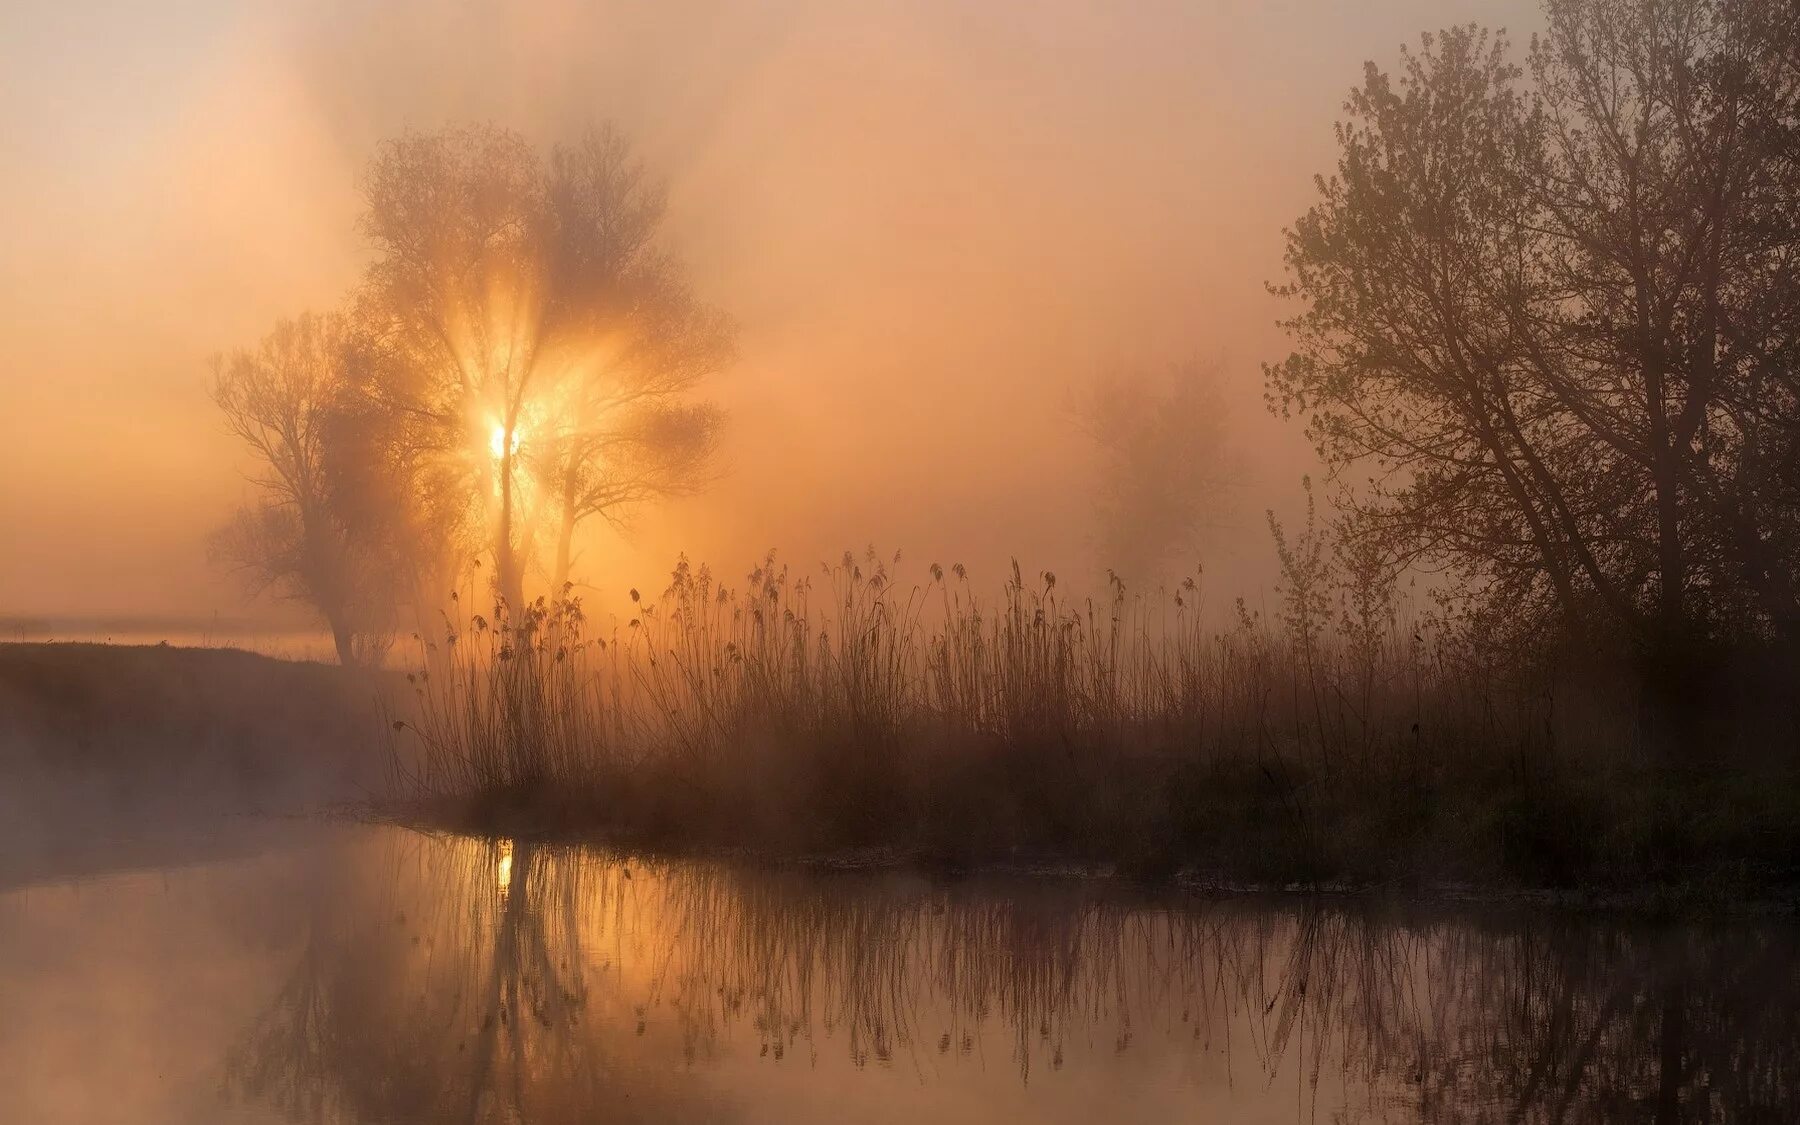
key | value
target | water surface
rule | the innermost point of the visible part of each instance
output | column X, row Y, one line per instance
column 364, row 975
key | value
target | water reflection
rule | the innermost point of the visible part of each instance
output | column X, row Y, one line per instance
column 446, row 982
column 457, row 980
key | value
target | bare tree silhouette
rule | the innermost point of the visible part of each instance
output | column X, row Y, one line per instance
column 278, row 399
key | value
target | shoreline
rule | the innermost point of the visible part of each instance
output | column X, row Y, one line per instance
column 117, row 732
column 1697, row 899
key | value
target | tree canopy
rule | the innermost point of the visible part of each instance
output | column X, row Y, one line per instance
column 522, row 355
column 1548, row 327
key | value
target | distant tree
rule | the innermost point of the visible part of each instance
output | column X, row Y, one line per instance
column 1163, row 465
column 1558, row 319
column 278, row 399
column 541, row 347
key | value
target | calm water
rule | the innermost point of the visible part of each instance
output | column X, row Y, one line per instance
column 376, row 975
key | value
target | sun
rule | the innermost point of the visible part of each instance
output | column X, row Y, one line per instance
column 497, row 441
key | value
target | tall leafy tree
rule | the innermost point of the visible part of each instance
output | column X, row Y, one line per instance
column 542, row 350
column 1550, row 311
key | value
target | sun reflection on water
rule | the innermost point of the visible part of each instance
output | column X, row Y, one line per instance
column 503, row 867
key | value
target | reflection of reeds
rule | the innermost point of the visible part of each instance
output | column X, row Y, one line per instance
column 429, row 992
column 855, row 710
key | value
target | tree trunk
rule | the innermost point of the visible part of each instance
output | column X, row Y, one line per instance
column 1671, row 559
column 1665, row 475
column 508, row 569
column 565, row 542
column 502, row 981
column 344, row 638
column 1671, row 1048
column 1673, row 657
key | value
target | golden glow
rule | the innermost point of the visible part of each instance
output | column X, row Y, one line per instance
column 497, row 441
column 503, row 868
column 256, row 164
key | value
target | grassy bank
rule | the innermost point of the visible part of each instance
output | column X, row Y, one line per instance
column 816, row 716
column 114, row 754
column 933, row 729
column 161, row 711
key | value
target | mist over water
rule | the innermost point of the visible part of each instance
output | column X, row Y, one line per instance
column 914, row 560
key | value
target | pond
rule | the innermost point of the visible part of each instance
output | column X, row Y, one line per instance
column 357, row 974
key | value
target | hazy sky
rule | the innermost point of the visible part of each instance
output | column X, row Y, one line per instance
column 932, row 218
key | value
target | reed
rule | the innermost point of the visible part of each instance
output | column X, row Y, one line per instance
column 1352, row 736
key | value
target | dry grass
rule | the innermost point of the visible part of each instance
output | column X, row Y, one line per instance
column 1346, row 738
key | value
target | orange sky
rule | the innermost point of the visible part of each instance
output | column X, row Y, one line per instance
column 933, row 220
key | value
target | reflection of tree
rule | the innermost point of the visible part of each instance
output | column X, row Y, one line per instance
column 1563, row 1024
column 472, row 982
column 1527, row 1022
column 450, row 987
column 1424, row 1019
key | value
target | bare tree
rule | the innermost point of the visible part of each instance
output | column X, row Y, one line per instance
column 278, row 400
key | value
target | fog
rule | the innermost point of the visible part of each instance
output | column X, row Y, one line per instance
column 1462, row 776
column 935, row 223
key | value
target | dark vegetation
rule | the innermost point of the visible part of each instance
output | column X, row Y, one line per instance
column 925, row 724
column 1550, row 330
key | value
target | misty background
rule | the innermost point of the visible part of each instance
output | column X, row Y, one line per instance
column 936, row 223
